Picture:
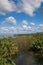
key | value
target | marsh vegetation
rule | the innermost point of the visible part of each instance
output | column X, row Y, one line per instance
column 21, row 46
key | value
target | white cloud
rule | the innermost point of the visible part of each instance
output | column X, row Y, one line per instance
column 29, row 6
column 24, row 22
column 12, row 29
column 3, row 29
column 24, row 27
column 26, row 6
column 8, row 30
column 32, row 23
column 6, row 6
column 29, row 28
column 11, row 20
column 20, row 30
column 41, row 26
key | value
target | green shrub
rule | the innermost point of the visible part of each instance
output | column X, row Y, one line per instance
column 38, row 45
column 8, row 49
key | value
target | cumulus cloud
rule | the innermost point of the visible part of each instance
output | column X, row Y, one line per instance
column 11, row 20
column 26, row 26
column 8, row 30
column 24, row 22
column 29, row 6
column 6, row 6
column 12, row 29
column 26, row 6
column 23, row 28
column 40, row 26
column 29, row 28
column 20, row 30
column 32, row 23
column 3, row 30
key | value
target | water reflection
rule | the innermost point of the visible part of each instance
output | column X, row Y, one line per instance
column 29, row 58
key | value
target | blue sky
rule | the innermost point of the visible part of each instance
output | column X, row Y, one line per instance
column 21, row 16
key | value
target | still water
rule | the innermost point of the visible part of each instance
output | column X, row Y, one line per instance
column 28, row 58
